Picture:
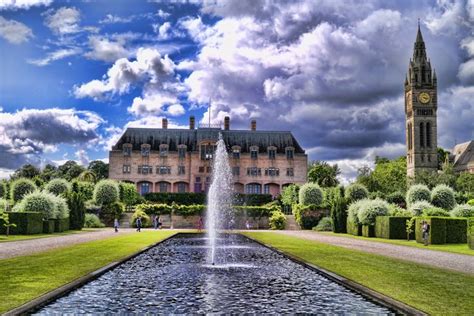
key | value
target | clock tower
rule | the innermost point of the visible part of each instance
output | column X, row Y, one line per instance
column 421, row 104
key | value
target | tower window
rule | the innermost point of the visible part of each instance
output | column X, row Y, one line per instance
column 428, row 134
column 422, row 135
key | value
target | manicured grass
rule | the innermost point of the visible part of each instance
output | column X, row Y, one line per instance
column 454, row 248
column 25, row 278
column 435, row 291
column 4, row 238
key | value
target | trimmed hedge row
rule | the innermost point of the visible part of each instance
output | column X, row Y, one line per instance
column 354, row 229
column 392, row 227
column 190, row 198
column 443, row 230
column 27, row 223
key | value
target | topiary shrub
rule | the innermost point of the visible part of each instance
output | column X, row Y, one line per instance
column 435, row 211
column 310, row 194
column 146, row 222
column 20, row 188
column 106, row 192
column 39, row 202
column 62, row 210
column 463, row 211
column 370, row 209
column 84, row 188
column 443, row 196
column 114, row 209
column 277, row 220
column 418, row 207
column 418, row 192
column 471, row 202
column 128, row 193
column 306, row 217
column 324, row 225
column 397, row 198
column 92, row 221
column 57, row 186
column 77, row 210
column 339, row 214
column 395, row 210
column 355, row 192
column 353, row 211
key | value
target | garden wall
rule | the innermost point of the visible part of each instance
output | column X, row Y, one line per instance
column 27, row 223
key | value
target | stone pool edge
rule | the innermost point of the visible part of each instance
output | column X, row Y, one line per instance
column 39, row 302
column 375, row 296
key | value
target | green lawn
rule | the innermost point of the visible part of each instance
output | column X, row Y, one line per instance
column 25, row 278
column 454, row 248
column 435, row 291
column 4, row 238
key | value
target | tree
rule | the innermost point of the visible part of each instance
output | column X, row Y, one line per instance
column 387, row 177
column 70, row 170
column 49, row 172
column 289, row 196
column 27, row 171
column 323, row 174
column 88, row 176
column 442, row 156
column 465, row 183
column 75, row 202
column 100, row 169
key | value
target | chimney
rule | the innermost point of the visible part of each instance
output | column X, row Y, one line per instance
column 253, row 125
column 191, row 122
column 226, row 123
column 164, row 123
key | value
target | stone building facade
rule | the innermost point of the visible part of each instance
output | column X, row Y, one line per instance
column 421, row 105
column 180, row 160
column 462, row 157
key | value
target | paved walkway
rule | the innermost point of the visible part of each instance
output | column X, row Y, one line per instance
column 30, row 246
column 440, row 259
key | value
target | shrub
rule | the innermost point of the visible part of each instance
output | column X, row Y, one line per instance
column 418, row 192
column 277, row 220
column 376, row 195
column 3, row 189
column 178, row 198
column 77, row 210
column 92, row 221
column 391, row 227
column 252, row 199
column 463, row 211
column 397, row 198
column 114, row 209
column 443, row 196
column 3, row 205
column 418, row 207
column 106, row 192
column 39, row 202
column 146, row 222
column 471, row 202
column 370, row 209
column 154, row 209
column 26, row 223
column 62, row 210
column 128, row 193
column 339, row 214
column 290, row 194
column 57, row 186
column 324, row 225
column 395, row 210
column 306, row 217
column 84, row 188
column 353, row 211
column 20, row 188
column 435, row 211
column 356, row 192
column 190, row 210
column 310, row 193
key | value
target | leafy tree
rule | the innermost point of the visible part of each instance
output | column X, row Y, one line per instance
column 310, row 194
column 88, row 176
column 443, row 155
column 390, row 175
column 323, row 174
column 70, row 170
column 128, row 193
column 356, row 192
column 3, row 189
column 57, row 186
column 26, row 171
column 100, row 169
column 49, row 172
column 289, row 196
column 364, row 177
column 106, row 192
column 465, row 183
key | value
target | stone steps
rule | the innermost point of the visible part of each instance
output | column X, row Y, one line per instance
column 291, row 223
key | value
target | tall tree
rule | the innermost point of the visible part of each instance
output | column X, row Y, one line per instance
column 70, row 170
column 323, row 173
column 387, row 177
column 26, row 171
column 100, row 168
column 49, row 172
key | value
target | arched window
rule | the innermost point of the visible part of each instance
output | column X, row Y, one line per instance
column 422, row 135
column 428, row 134
column 410, row 137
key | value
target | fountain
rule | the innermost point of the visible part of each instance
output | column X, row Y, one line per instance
column 219, row 203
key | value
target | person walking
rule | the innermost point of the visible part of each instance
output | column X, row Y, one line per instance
column 155, row 221
column 139, row 224
column 160, row 222
column 425, row 228
column 116, row 224
column 200, row 224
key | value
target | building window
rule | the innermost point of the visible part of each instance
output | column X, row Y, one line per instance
column 236, row 152
column 144, row 188
column 201, row 169
column 253, row 188
column 428, row 135
column 207, row 151
column 163, row 150
column 181, row 187
column 236, row 171
column 163, row 187
column 163, row 170
column 127, row 150
column 181, row 170
column 266, row 189
column 290, row 152
column 422, row 135
column 271, row 153
column 208, row 169
column 145, row 169
column 253, row 152
column 290, row 172
column 272, row 172
column 182, row 151
column 145, row 149
column 254, row 171
column 126, row 168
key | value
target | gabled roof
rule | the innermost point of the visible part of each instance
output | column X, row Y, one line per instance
column 192, row 137
column 464, row 156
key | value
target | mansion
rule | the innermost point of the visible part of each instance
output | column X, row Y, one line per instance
column 180, row 160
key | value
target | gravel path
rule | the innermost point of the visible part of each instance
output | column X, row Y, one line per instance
column 440, row 259
column 31, row 246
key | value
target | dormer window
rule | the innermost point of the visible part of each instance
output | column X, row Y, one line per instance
column 207, row 151
column 236, row 152
column 254, row 152
column 271, row 153
column 145, row 150
column 290, row 152
column 182, row 151
column 127, row 150
column 163, row 150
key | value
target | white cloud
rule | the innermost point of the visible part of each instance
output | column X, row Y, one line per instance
column 112, row 19
column 82, row 157
column 56, row 55
column 162, row 14
column 63, row 21
column 22, row 4
column 14, row 32
column 106, row 50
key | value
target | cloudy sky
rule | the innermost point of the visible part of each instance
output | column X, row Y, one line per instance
column 74, row 74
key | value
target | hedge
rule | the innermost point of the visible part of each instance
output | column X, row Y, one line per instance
column 443, row 230
column 470, row 232
column 354, row 229
column 368, row 230
column 61, row 225
column 48, row 226
column 392, row 227
column 27, row 223
column 307, row 216
column 190, row 198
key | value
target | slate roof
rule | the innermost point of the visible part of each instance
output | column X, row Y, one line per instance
column 192, row 137
column 464, row 156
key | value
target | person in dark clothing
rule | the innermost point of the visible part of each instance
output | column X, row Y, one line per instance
column 139, row 223
column 425, row 228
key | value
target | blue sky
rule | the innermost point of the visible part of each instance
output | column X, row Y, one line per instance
column 74, row 74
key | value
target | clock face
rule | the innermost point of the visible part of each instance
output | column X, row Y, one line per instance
column 424, row 97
